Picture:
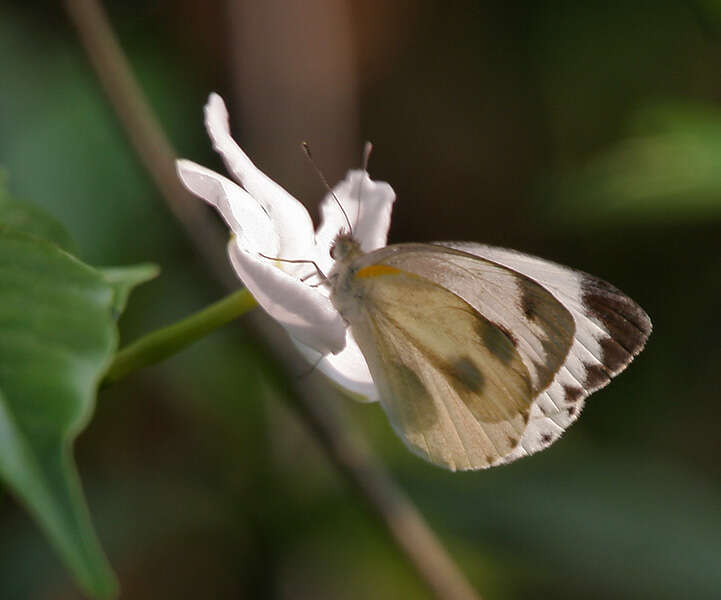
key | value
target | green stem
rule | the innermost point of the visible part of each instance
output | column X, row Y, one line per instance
column 161, row 344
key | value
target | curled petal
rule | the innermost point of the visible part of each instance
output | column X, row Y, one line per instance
column 307, row 314
column 347, row 369
column 290, row 218
column 368, row 205
column 246, row 218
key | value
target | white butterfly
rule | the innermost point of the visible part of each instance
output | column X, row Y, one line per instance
column 478, row 355
column 482, row 355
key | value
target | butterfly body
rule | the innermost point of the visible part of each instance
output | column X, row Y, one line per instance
column 481, row 355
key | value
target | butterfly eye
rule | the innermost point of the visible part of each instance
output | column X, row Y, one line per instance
column 333, row 250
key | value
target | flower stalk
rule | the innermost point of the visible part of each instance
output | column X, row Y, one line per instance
column 163, row 343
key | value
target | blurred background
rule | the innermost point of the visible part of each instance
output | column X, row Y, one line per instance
column 587, row 133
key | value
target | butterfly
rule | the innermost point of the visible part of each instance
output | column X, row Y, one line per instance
column 481, row 355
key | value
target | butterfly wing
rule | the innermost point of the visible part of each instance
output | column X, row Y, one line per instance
column 610, row 330
column 458, row 383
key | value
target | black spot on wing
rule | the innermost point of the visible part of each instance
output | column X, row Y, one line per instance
column 546, row 439
column 529, row 302
column 555, row 349
column 414, row 407
column 508, row 334
column 552, row 325
column 467, row 374
column 572, row 393
column 497, row 341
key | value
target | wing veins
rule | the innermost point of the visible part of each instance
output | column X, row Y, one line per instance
column 435, row 361
column 388, row 339
column 412, row 341
column 495, row 295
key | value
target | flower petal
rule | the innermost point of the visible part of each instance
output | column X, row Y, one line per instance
column 246, row 218
column 307, row 314
column 347, row 369
column 368, row 205
column 289, row 217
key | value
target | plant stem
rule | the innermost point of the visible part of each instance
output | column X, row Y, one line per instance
column 161, row 344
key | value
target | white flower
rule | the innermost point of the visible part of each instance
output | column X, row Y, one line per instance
column 267, row 221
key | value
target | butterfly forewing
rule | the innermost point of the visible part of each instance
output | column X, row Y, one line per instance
column 611, row 329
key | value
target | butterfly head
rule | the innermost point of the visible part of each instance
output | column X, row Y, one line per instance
column 344, row 247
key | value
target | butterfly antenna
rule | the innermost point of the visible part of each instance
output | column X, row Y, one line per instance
column 306, row 149
column 367, row 149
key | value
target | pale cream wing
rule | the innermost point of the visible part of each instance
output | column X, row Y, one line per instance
column 453, row 384
column 540, row 326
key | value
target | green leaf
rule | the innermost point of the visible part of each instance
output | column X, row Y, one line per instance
column 57, row 337
column 28, row 218
column 667, row 169
column 124, row 279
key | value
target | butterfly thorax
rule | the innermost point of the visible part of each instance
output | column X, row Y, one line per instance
column 345, row 251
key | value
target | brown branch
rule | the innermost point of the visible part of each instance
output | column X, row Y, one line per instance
column 386, row 501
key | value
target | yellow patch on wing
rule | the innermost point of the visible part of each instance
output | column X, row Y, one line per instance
column 376, row 271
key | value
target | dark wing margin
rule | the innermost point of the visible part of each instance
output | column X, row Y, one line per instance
column 625, row 322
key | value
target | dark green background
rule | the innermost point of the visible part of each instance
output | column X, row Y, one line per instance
column 582, row 132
